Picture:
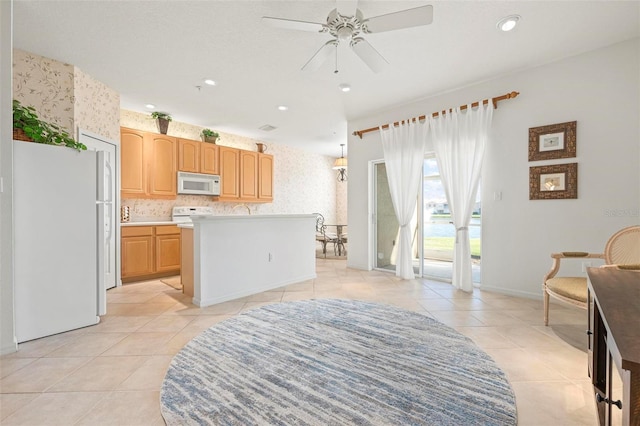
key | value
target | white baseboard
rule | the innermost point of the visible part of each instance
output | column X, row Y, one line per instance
column 215, row 300
column 9, row 349
column 509, row 292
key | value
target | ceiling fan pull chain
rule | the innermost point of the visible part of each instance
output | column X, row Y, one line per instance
column 336, row 70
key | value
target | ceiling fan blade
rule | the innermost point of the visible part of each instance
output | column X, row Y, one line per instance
column 320, row 56
column 397, row 20
column 368, row 54
column 347, row 7
column 291, row 24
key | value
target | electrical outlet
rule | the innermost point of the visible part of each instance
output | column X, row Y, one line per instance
column 270, row 257
column 585, row 265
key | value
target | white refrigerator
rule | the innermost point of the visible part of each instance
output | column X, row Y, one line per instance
column 59, row 222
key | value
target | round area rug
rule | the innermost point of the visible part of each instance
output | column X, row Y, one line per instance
column 334, row 362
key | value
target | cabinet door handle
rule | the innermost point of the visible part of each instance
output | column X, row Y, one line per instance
column 589, row 332
column 617, row 403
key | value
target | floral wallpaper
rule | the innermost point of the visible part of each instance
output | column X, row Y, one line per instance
column 303, row 182
column 96, row 106
column 65, row 95
column 46, row 85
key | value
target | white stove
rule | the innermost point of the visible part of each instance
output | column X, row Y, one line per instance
column 183, row 214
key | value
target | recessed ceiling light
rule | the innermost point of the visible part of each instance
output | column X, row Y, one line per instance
column 150, row 106
column 344, row 87
column 283, row 107
column 210, row 82
column 508, row 22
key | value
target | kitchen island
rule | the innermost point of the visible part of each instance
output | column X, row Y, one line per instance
column 227, row 257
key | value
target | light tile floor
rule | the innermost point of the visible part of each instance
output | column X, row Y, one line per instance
column 111, row 373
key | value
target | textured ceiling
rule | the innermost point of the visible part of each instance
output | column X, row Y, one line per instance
column 159, row 51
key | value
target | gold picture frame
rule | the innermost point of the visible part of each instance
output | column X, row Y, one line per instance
column 554, row 182
column 552, row 141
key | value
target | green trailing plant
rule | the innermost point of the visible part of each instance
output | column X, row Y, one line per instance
column 26, row 118
column 210, row 133
column 161, row 115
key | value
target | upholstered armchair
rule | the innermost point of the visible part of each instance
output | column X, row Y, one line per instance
column 622, row 250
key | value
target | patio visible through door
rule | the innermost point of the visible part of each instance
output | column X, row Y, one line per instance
column 434, row 234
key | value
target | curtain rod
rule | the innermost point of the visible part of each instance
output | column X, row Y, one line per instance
column 435, row 114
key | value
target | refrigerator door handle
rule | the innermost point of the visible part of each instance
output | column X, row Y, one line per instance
column 102, row 166
column 102, row 292
column 101, row 163
column 109, row 195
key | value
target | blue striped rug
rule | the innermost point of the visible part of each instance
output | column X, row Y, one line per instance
column 334, row 362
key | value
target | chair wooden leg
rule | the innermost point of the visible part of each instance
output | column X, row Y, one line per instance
column 546, row 307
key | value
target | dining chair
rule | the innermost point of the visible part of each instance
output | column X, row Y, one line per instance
column 322, row 236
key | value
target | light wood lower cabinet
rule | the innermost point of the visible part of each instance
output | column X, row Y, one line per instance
column 137, row 251
column 150, row 251
column 186, row 271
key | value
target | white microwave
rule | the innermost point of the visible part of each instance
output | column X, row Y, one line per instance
column 198, row 184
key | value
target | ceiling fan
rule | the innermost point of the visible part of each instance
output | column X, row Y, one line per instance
column 347, row 24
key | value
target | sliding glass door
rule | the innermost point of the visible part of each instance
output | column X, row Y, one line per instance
column 433, row 230
column 438, row 232
column 385, row 223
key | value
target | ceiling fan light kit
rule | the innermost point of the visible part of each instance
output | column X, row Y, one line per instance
column 349, row 26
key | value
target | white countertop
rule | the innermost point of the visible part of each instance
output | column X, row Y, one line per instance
column 149, row 223
column 211, row 218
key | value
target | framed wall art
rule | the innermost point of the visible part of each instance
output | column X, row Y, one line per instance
column 552, row 141
column 554, row 182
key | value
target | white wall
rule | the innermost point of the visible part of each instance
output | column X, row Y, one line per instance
column 598, row 89
column 7, row 339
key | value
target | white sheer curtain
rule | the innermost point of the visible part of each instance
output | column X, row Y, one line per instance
column 404, row 155
column 459, row 140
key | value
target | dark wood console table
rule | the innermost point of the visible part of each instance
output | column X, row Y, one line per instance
column 614, row 343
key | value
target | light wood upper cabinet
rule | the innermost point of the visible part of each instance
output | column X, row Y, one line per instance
column 162, row 163
column 229, row 173
column 197, row 157
column 209, row 160
column 245, row 175
column 248, row 175
column 265, row 177
column 188, row 155
column 133, row 177
column 148, row 164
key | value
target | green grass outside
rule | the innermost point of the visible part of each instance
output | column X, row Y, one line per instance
column 447, row 243
column 475, row 216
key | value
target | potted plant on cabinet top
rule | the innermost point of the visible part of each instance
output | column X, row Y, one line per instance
column 209, row 135
column 163, row 120
column 28, row 127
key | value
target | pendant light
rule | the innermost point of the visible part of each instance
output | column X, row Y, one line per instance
column 341, row 165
